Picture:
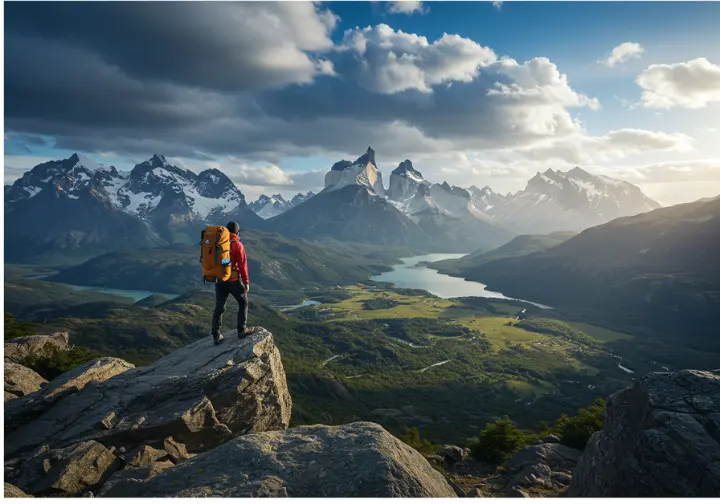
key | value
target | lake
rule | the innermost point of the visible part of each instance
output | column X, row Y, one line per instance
column 411, row 275
column 135, row 295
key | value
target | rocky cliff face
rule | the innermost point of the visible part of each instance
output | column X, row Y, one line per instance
column 661, row 439
column 205, row 420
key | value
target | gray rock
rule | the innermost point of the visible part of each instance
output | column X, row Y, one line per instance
column 144, row 456
column 517, row 492
column 177, row 451
column 456, row 488
column 31, row 406
column 533, row 475
column 355, row 460
column 65, row 472
column 134, row 475
column 18, row 349
column 453, row 453
column 556, row 456
column 562, row 478
column 550, row 438
column 475, row 492
column 11, row 491
column 20, row 380
column 201, row 395
column 436, row 459
column 661, row 439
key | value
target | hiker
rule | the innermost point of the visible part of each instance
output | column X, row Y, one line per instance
column 238, row 285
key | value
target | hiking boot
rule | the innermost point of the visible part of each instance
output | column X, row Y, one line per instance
column 246, row 332
column 217, row 338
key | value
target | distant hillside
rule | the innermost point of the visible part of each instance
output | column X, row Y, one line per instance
column 659, row 270
column 518, row 246
column 274, row 263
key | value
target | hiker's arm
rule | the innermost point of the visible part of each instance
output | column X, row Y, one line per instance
column 241, row 265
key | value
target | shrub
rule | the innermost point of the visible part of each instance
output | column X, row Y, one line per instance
column 575, row 431
column 56, row 362
column 412, row 438
column 16, row 328
column 497, row 441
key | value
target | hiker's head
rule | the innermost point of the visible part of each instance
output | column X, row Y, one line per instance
column 233, row 227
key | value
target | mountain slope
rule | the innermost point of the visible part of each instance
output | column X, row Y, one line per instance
column 274, row 263
column 518, row 246
column 572, row 200
column 351, row 213
column 659, row 270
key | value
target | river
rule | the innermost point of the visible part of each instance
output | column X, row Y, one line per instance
column 411, row 275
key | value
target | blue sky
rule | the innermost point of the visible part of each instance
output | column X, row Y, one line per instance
column 566, row 109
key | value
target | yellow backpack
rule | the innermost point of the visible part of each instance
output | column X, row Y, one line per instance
column 214, row 247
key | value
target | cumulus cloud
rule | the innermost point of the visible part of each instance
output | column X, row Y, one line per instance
column 693, row 84
column 623, row 53
column 497, row 4
column 280, row 91
column 393, row 61
column 406, row 7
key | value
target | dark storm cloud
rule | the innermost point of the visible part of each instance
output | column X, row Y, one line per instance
column 262, row 81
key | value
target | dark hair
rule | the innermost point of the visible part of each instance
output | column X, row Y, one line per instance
column 233, row 227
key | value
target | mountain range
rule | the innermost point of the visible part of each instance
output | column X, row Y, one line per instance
column 271, row 206
column 98, row 208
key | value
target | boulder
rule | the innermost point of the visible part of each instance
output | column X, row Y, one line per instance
column 20, row 380
column 355, row 460
column 562, row 478
column 533, row 475
column 200, row 395
column 11, row 491
column 556, row 456
column 132, row 475
column 453, row 453
column 661, row 439
column 18, row 349
column 65, row 472
column 456, row 488
column 31, row 406
column 177, row 451
column 144, row 456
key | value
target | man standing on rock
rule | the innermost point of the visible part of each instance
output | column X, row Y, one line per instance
column 238, row 286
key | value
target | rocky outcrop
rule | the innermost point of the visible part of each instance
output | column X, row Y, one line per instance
column 541, row 467
column 20, row 381
column 201, row 395
column 64, row 472
column 18, row 349
column 31, row 406
column 11, row 491
column 661, row 439
column 354, row 460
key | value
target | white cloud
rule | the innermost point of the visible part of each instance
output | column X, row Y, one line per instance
column 406, row 7
column 497, row 4
column 692, row 84
column 623, row 53
column 394, row 61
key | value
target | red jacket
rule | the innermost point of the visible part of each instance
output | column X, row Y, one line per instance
column 238, row 260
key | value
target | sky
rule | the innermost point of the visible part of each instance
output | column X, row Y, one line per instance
column 473, row 93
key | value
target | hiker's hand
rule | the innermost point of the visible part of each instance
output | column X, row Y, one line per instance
column 247, row 288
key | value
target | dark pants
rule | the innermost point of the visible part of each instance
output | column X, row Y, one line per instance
column 222, row 291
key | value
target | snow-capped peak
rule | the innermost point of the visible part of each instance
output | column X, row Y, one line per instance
column 362, row 172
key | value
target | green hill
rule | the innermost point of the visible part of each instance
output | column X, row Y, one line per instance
column 518, row 246
column 657, row 272
column 275, row 263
